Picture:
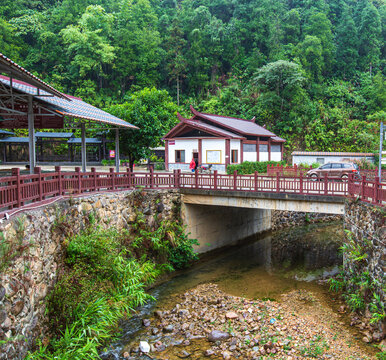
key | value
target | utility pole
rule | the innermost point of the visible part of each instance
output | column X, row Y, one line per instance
column 381, row 136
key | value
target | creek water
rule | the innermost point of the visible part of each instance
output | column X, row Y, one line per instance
column 261, row 267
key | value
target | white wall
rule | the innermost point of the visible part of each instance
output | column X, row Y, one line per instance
column 249, row 156
column 213, row 144
column 188, row 145
column 263, row 156
column 310, row 159
column 276, row 156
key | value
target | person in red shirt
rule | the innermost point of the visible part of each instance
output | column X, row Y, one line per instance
column 192, row 165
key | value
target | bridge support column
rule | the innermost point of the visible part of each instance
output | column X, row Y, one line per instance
column 216, row 226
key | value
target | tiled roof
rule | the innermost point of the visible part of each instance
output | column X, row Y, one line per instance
column 75, row 108
column 317, row 153
column 10, row 67
column 244, row 127
column 278, row 139
column 88, row 141
column 56, row 135
column 204, row 126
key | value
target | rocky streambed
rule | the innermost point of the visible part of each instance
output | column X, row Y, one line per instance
column 258, row 300
column 205, row 322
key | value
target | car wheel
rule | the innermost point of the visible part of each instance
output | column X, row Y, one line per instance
column 314, row 177
column 344, row 177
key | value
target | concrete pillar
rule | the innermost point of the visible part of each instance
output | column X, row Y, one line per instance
column 31, row 135
column 83, row 150
column 117, row 150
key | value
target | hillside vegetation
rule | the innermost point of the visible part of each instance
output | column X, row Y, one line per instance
column 311, row 70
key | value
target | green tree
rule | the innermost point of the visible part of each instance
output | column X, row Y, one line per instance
column 310, row 53
column 154, row 112
column 347, row 44
column 9, row 43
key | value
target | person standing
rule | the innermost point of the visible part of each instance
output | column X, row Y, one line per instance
column 192, row 165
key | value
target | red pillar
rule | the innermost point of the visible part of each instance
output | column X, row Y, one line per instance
column 227, row 152
column 166, row 155
column 241, row 151
column 199, row 151
column 269, row 149
column 258, row 149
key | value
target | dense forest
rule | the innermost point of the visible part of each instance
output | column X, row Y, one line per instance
column 311, row 70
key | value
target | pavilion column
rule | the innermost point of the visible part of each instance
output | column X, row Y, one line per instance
column 227, row 152
column 199, row 152
column 167, row 155
column 241, row 151
column 84, row 152
column 117, row 150
column 31, row 135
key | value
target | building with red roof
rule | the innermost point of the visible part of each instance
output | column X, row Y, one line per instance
column 219, row 141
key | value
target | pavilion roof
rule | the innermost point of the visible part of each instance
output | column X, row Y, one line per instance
column 16, row 71
column 55, row 135
column 76, row 107
column 15, row 139
column 4, row 132
column 88, row 141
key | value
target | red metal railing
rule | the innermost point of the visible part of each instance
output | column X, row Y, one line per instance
column 18, row 190
column 295, row 170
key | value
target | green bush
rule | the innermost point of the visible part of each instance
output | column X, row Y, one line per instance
column 249, row 167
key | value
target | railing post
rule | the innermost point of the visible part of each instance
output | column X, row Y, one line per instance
column 178, row 178
column 235, row 180
column 256, row 177
column 94, row 178
column 77, row 169
column 363, row 187
column 296, row 170
column 325, row 184
column 215, row 179
column 112, row 175
column 301, row 184
column 349, row 184
column 128, row 172
column 57, row 169
column 151, row 178
column 38, row 171
column 376, row 187
column 16, row 172
column 277, row 182
column 196, row 179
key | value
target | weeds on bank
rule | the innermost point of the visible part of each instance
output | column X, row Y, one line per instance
column 105, row 277
column 356, row 285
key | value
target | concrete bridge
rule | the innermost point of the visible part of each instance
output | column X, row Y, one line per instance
column 220, row 218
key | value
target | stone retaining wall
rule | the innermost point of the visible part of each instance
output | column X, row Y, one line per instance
column 32, row 242
column 283, row 219
column 367, row 225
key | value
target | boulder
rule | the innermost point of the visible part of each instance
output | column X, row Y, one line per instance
column 144, row 346
column 218, row 335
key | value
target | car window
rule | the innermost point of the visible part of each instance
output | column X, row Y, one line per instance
column 327, row 166
column 347, row 166
column 356, row 166
column 336, row 166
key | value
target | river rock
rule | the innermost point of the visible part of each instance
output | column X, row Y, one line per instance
column 17, row 307
column 168, row 329
column 231, row 315
column 226, row 355
column 144, row 346
column 146, row 322
column 159, row 314
column 208, row 352
column 183, row 354
column 2, row 293
column 218, row 335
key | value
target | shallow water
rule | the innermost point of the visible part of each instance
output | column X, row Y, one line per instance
column 262, row 267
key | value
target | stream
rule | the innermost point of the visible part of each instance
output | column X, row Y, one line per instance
column 263, row 267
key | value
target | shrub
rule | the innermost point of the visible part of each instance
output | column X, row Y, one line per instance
column 249, row 167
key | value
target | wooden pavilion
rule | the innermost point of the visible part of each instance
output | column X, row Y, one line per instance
column 26, row 102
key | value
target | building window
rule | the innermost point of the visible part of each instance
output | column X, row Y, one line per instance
column 213, row 156
column 180, row 156
column 263, row 148
column 249, row 148
column 320, row 161
column 275, row 148
column 234, row 157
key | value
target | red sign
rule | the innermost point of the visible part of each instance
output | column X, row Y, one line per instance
column 172, row 142
column 112, row 154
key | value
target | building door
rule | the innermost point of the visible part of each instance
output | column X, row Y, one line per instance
column 195, row 157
